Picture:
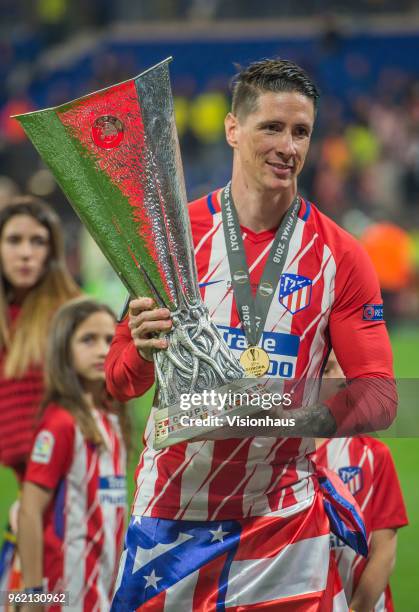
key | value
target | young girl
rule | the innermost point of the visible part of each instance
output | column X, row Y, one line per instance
column 73, row 503
column 34, row 282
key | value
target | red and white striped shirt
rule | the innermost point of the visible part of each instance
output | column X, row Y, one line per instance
column 319, row 300
column 366, row 467
column 84, row 524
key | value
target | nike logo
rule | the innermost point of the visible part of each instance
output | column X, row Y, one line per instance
column 209, row 283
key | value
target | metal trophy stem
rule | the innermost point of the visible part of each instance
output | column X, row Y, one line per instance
column 115, row 154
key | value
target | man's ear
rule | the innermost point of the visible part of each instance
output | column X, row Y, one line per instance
column 231, row 124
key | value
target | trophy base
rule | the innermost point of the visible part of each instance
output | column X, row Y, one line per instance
column 207, row 411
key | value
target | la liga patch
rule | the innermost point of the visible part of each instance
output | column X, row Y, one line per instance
column 372, row 312
column 42, row 448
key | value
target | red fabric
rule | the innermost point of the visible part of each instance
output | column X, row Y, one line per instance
column 19, row 404
column 388, row 508
column 362, row 348
column 60, row 423
column 128, row 375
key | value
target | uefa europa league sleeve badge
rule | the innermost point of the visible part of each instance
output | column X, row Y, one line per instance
column 115, row 154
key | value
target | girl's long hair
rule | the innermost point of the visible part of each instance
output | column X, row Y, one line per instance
column 24, row 342
column 62, row 384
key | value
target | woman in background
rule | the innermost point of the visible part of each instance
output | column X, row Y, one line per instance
column 34, row 283
column 71, row 518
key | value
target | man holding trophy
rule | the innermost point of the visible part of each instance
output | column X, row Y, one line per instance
column 227, row 517
column 258, row 493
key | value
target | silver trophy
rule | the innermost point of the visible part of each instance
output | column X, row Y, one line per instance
column 115, row 154
column 197, row 358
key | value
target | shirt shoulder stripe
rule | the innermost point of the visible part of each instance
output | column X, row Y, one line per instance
column 210, row 204
column 307, row 211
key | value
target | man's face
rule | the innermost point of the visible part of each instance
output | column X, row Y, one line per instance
column 271, row 143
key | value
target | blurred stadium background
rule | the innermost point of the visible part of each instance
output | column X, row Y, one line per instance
column 363, row 168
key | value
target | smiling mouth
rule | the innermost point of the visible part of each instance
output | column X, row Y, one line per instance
column 279, row 166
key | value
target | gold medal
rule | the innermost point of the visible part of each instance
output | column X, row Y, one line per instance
column 255, row 361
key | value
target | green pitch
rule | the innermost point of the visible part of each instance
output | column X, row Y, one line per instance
column 406, row 456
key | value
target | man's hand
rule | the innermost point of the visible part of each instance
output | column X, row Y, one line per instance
column 145, row 322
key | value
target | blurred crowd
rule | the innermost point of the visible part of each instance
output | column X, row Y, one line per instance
column 363, row 169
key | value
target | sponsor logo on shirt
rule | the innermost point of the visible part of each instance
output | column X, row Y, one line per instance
column 372, row 312
column 43, row 446
column 281, row 348
column 112, row 490
column 295, row 292
column 352, row 477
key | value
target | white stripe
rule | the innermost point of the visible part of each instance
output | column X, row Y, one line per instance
column 217, row 254
column 288, row 574
column 291, row 510
column 218, row 304
column 76, row 524
column 327, row 270
column 337, row 453
column 315, row 360
column 304, row 487
column 380, row 606
column 339, row 602
column 193, row 479
column 112, row 515
column 256, row 502
column 367, row 498
column 149, row 472
column 303, row 298
column 200, row 508
column 308, row 246
column 173, row 476
column 121, row 570
column 179, row 597
column 294, row 296
column 205, row 238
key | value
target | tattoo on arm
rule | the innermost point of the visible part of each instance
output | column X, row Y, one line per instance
column 314, row 421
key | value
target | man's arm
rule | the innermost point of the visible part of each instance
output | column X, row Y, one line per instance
column 362, row 347
column 129, row 364
column 375, row 577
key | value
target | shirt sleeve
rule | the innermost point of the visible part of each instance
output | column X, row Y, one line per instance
column 362, row 347
column 52, row 452
column 388, row 508
column 128, row 375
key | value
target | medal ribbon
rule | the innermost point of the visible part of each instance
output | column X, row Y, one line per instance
column 253, row 312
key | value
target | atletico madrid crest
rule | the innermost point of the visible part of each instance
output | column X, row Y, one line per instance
column 352, row 477
column 294, row 292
